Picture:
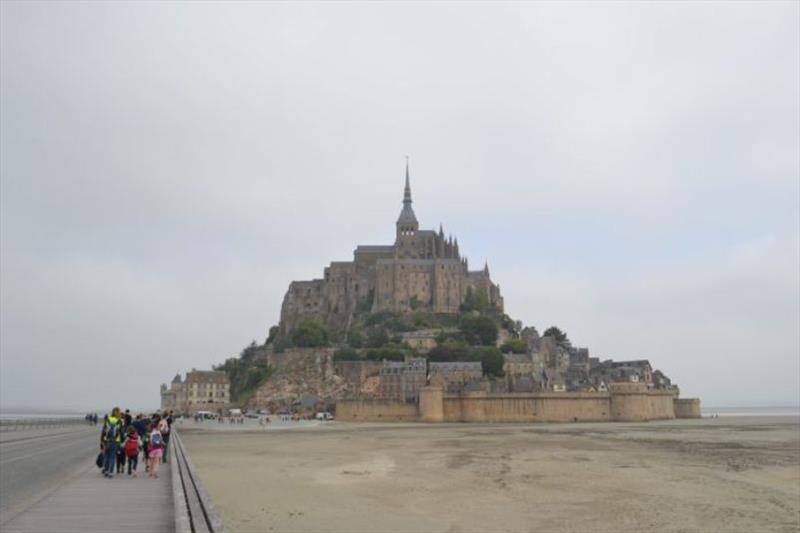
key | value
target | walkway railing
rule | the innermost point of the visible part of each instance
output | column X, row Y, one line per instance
column 13, row 424
column 193, row 510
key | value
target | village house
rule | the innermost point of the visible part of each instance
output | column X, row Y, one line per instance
column 202, row 390
column 517, row 364
column 402, row 380
column 454, row 376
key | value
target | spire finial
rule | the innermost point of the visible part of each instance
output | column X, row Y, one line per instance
column 407, row 192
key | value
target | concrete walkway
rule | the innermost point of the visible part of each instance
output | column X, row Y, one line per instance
column 26, row 434
column 91, row 503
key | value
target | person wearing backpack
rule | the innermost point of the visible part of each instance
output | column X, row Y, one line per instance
column 156, row 451
column 110, row 438
column 131, row 448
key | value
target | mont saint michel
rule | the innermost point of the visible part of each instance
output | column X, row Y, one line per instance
column 229, row 302
column 407, row 332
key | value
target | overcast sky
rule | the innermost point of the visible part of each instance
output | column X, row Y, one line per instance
column 630, row 170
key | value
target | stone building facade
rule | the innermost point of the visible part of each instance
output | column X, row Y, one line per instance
column 423, row 270
column 403, row 380
column 202, row 390
column 454, row 376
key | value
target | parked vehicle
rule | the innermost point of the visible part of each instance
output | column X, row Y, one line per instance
column 324, row 416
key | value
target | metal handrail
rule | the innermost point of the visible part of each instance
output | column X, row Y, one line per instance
column 194, row 512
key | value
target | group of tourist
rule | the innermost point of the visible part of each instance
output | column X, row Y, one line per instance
column 124, row 437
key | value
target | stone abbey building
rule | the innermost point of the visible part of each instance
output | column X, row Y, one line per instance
column 422, row 270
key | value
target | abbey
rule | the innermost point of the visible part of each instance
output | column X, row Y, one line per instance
column 421, row 270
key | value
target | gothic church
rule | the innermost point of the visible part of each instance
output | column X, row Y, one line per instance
column 421, row 270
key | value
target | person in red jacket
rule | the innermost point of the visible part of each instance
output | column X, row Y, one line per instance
column 131, row 449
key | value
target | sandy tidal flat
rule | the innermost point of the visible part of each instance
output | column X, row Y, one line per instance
column 710, row 475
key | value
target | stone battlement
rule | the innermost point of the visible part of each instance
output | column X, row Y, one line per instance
column 625, row 404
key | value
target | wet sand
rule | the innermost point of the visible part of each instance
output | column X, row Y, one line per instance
column 709, row 475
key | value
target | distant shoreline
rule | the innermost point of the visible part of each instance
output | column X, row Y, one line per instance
column 751, row 411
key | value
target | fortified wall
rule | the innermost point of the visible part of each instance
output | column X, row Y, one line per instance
column 687, row 408
column 625, row 402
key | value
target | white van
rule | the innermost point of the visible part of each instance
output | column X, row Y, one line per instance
column 235, row 412
column 324, row 416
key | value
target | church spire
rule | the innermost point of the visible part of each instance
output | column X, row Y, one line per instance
column 407, row 192
column 407, row 221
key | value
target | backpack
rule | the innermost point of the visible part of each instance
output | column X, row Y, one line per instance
column 132, row 447
column 111, row 433
column 156, row 441
column 100, row 460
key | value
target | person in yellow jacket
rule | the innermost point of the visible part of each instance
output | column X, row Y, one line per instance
column 110, row 439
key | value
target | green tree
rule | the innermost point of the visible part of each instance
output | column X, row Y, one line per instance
column 377, row 337
column 449, row 350
column 478, row 330
column 310, row 334
column 249, row 351
column 355, row 338
column 515, row 345
column 346, row 353
column 245, row 375
column 390, row 352
column 558, row 335
column 491, row 359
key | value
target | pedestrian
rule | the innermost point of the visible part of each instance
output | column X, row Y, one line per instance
column 163, row 428
column 131, row 447
column 139, row 425
column 156, row 451
column 146, row 445
column 109, row 440
column 120, row 455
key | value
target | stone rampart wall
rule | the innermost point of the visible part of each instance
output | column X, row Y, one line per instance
column 628, row 404
column 539, row 407
column 376, row 411
column 687, row 407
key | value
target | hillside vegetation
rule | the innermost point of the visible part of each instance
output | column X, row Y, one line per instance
column 470, row 335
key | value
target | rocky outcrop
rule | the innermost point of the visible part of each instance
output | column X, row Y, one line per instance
column 302, row 373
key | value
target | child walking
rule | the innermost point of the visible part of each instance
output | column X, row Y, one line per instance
column 146, row 445
column 120, row 458
column 156, row 451
column 131, row 447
